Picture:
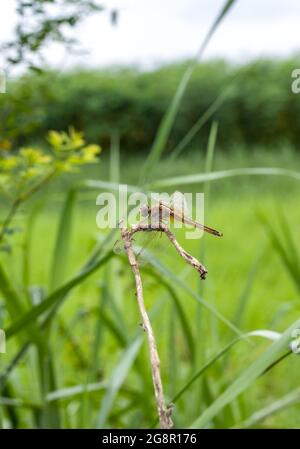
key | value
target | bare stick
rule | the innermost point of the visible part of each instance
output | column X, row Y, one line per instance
column 164, row 412
column 182, row 252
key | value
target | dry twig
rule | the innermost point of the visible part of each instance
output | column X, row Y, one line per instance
column 164, row 412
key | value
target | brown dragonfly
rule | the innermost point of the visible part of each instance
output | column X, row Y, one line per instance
column 164, row 213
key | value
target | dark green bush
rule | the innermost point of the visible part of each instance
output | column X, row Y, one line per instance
column 260, row 109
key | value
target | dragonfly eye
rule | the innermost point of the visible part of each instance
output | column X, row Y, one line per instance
column 144, row 211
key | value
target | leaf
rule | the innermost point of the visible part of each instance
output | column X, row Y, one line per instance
column 16, row 308
column 27, row 245
column 223, row 174
column 56, row 297
column 175, row 280
column 13, row 303
column 122, row 368
column 114, row 174
column 12, row 364
column 119, row 375
column 198, row 125
column 270, row 335
column 71, row 392
column 288, row 255
column 63, row 239
column 107, row 185
column 169, row 117
column 243, row 298
column 186, row 327
column 50, row 415
column 284, row 402
column 248, row 376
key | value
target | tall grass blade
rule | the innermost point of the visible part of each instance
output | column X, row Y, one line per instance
column 248, row 376
column 223, row 174
column 8, row 369
column 198, row 126
column 211, row 149
column 283, row 403
column 50, row 417
column 203, row 389
column 13, row 302
column 16, row 308
column 288, row 256
column 56, row 297
column 186, row 327
column 27, row 246
column 70, row 393
column 176, row 281
column 114, row 174
column 169, row 117
column 63, row 241
column 289, row 239
column 269, row 335
column 119, row 374
column 242, row 301
column 107, row 185
column 121, row 370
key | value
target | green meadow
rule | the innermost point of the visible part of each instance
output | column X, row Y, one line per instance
column 76, row 352
column 100, row 373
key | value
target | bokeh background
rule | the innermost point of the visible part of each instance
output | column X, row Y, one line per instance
column 226, row 124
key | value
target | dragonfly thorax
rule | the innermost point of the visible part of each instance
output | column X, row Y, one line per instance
column 144, row 211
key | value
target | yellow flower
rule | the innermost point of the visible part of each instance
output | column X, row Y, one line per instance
column 87, row 155
column 30, row 172
column 75, row 159
column 90, row 152
column 76, row 138
column 56, row 139
column 9, row 163
column 64, row 166
column 33, row 156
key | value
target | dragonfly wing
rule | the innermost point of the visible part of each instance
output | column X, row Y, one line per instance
column 182, row 217
column 144, row 242
column 118, row 247
column 179, row 203
column 139, row 243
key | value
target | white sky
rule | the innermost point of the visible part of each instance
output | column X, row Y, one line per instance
column 151, row 32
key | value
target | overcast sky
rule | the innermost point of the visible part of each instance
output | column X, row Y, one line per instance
column 151, row 32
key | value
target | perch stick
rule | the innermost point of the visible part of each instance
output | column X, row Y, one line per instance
column 164, row 413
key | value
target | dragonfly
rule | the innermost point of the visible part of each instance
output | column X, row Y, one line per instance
column 163, row 213
column 175, row 211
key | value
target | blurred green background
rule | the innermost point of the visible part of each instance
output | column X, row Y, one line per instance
column 75, row 353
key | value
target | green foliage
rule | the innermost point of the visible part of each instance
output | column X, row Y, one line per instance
column 114, row 394
column 85, row 320
column 257, row 109
column 32, row 165
column 40, row 22
column 26, row 171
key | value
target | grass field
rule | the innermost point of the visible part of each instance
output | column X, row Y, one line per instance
column 95, row 346
column 76, row 351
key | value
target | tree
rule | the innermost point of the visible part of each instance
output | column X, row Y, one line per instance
column 40, row 22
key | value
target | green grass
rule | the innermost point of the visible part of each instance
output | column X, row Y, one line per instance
column 76, row 355
column 96, row 336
